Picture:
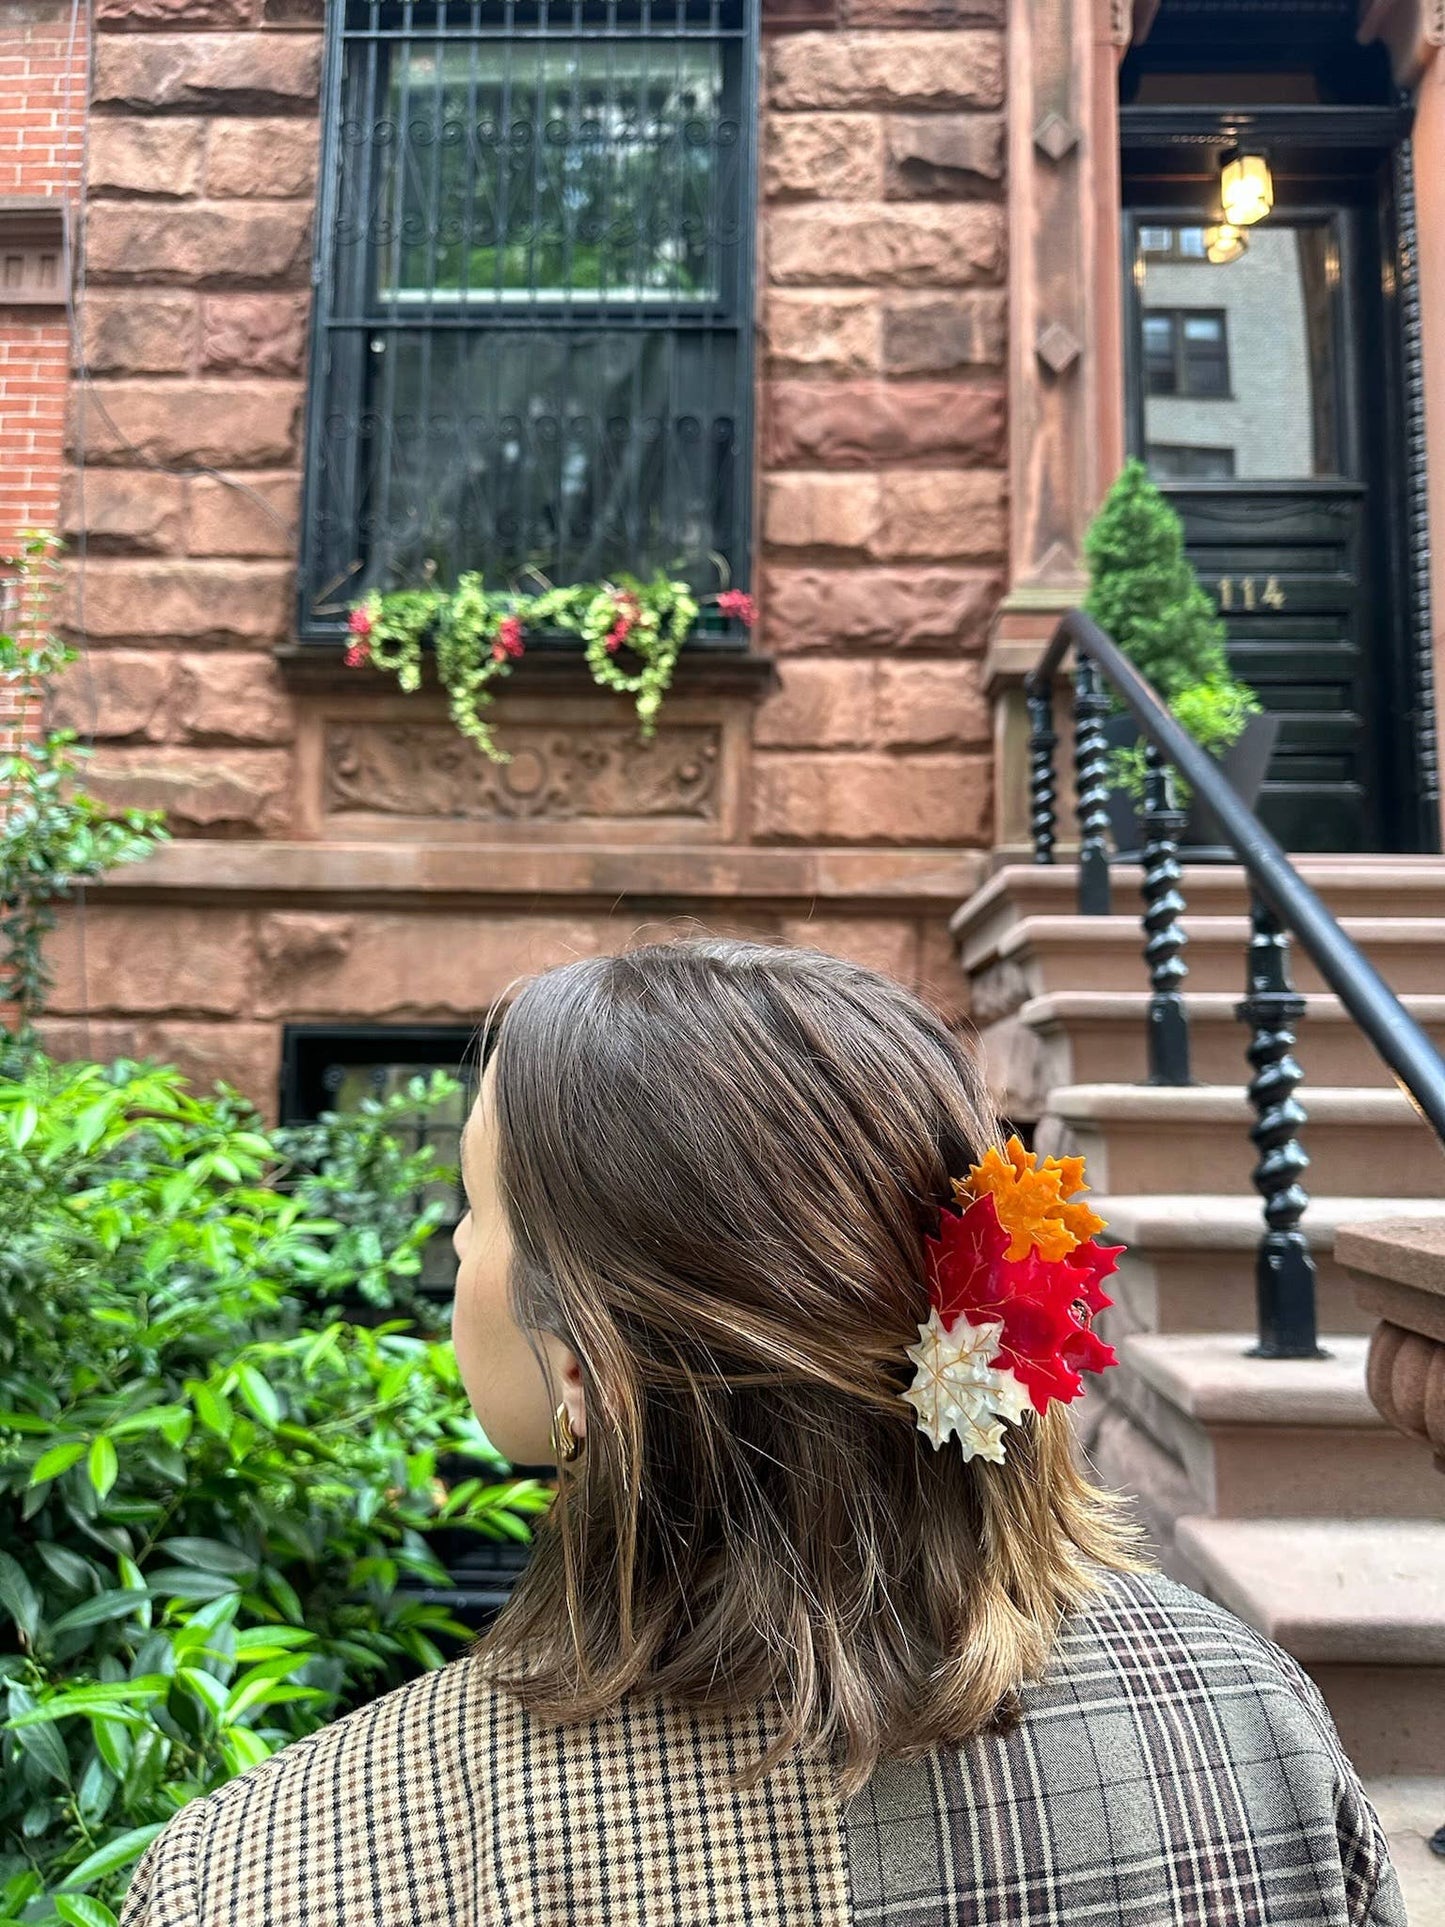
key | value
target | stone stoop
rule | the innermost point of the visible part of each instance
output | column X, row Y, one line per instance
column 1275, row 1486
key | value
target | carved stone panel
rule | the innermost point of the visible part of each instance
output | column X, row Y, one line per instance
column 556, row 776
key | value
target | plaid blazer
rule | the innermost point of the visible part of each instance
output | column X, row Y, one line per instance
column 1172, row 1767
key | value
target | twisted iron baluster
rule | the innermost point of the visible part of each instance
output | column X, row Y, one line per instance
column 1042, row 794
column 1092, row 785
column 1285, row 1271
column 1164, row 937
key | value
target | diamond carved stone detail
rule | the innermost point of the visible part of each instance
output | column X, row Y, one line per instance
column 1058, row 347
column 555, row 775
column 1055, row 137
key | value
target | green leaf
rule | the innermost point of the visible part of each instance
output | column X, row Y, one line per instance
column 18, row 1596
column 45, row 1747
column 98, row 1611
column 112, row 1857
column 259, row 1395
column 80, row 1910
column 187, row 1582
column 212, row 1409
column 58, row 1459
column 103, row 1466
column 210, row 1555
column 21, row 1124
column 111, row 1698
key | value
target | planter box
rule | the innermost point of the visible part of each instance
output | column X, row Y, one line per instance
column 1245, row 764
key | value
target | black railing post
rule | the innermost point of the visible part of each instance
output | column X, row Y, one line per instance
column 1043, row 797
column 1164, row 937
column 1285, row 1271
column 1092, row 787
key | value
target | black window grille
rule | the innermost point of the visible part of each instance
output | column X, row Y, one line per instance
column 532, row 345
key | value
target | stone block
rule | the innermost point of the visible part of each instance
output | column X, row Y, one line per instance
column 836, row 157
column 941, row 982
column 819, row 705
column 247, row 1057
column 230, row 73
column 219, row 424
column 235, row 699
column 254, row 334
column 823, row 334
column 188, row 959
column 871, row 798
column 900, row 69
column 938, row 513
column 889, row 944
column 159, row 158
column 215, row 602
column 885, row 245
column 139, row 334
column 236, row 792
column 821, row 511
column 245, row 515
column 926, row 705
column 268, row 160
column 199, row 245
column 444, row 967
column 151, row 14
column 115, row 693
column 928, row 335
column 855, row 424
column 124, row 511
column 938, row 610
column 925, row 13
column 798, row 16
column 944, row 157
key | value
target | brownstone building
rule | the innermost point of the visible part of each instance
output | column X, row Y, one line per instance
column 857, row 305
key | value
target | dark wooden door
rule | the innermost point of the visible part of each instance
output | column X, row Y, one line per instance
column 1263, row 397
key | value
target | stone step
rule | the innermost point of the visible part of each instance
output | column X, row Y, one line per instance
column 1261, row 1438
column 1145, row 1138
column 1189, row 1265
column 1359, row 1602
column 1100, row 1036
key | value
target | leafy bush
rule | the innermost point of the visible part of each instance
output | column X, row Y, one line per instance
column 1214, row 713
column 215, row 1496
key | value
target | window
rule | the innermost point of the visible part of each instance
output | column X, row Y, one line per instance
column 1175, row 462
column 1173, row 243
column 1186, row 353
column 532, row 350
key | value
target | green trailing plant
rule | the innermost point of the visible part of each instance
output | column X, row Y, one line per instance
column 217, row 1495
column 53, row 836
column 1143, row 591
column 632, row 631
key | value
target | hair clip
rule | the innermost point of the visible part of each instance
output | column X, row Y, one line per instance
column 1014, row 1280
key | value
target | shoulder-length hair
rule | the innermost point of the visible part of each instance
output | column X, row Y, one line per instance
column 720, row 1160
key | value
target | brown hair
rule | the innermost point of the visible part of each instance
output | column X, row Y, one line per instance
column 720, row 1160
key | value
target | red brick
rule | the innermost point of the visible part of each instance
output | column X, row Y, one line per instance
column 216, row 246
column 944, row 157
column 153, row 157
column 820, row 511
column 889, row 944
column 214, row 602
column 263, row 159
column 222, row 73
column 232, row 792
column 833, row 334
column 836, row 156
column 227, row 518
column 220, row 424
column 124, row 511
column 931, row 609
column 254, row 334
column 186, row 959
column 854, row 424
column 115, row 693
column 871, row 798
column 236, row 699
column 139, row 334
column 887, row 70
column 177, row 13
column 932, row 335
column 894, row 246
column 937, row 513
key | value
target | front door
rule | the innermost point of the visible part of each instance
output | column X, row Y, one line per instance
column 1263, row 394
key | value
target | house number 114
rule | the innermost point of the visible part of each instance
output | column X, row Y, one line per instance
column 1244, row 592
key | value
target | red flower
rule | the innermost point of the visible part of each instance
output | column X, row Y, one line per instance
column 737, row 602
column 357, row 653
column 509, row 640
column 359, row 621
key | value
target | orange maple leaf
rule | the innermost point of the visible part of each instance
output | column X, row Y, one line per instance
column 1032, row 1197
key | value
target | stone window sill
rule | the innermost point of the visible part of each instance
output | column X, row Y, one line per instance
column 707, row 665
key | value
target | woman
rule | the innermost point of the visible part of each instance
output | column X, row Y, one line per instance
column 826, row 1626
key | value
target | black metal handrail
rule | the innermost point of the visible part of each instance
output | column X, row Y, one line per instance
column 1281, row 903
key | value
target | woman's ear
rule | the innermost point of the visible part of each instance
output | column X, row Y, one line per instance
column 572, row 1394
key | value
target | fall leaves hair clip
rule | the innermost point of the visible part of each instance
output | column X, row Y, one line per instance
column 1014, row 1279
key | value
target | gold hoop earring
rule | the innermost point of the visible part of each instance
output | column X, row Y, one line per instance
column 566, row 1446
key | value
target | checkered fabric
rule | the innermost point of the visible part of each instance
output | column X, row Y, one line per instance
column 1172, row 1768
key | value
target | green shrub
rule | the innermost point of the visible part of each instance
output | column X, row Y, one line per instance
column 216, row 1494
column 1214, row 713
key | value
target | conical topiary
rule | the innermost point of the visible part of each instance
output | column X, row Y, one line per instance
column 1144, row 592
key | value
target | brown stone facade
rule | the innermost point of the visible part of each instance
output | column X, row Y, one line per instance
column 341, row 856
